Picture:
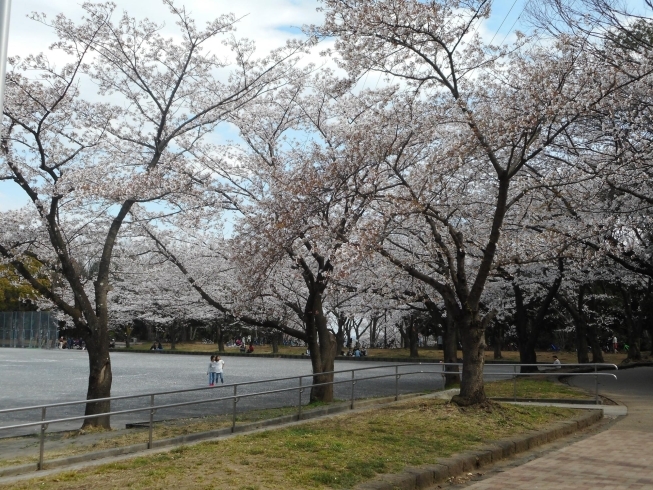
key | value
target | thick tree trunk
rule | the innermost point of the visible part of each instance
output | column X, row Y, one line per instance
column 526, row 333
column 275, row 342
column 597, row 351
column 581, row 343
column 220, row 338
column 579, row 322
column 373, row 331
column 527, row 355
column 322, row 345
column 324, row 393
column 472, row 390
column 99, row 380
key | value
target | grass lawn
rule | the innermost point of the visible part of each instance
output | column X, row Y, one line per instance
column 534, row 388
column 69, row 443
column 337, row 452
column 424, row 353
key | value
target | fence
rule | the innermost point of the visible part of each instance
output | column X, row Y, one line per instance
column 438, row 370
column 33, row 329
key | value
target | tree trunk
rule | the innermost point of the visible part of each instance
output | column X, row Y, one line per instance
column 322, row 344
column 498, row 341
column 579, row 322
column 100, row 378
column 275, row 342
column 597, row 351
column 173, row 336
column 373, row 331
column 220, row 340
column 472, row 390
column 581, row 343
column 525, row 337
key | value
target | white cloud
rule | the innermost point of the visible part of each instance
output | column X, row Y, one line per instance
column 268, row 22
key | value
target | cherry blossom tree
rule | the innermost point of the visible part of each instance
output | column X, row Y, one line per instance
column 499, row 113
column 84, row 165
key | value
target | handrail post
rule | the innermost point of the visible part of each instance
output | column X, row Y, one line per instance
column 299, row 414
column 351, row 405
column 235, row 400
column 396, row 382
column 149, row 440
column 514, row 383
column 42, row 440
column 596, row 385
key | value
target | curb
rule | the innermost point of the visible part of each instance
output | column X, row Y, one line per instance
column 426, row 476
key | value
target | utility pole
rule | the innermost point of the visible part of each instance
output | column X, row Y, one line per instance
column 5, row 14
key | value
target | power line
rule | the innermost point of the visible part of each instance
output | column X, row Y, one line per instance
column 514, row 23
column 504, row 19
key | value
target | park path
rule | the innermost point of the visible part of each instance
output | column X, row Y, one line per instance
column 620, row 457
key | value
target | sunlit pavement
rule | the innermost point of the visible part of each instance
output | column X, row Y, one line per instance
column 618, row 458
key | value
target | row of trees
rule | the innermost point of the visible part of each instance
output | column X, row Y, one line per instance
column 475, row 177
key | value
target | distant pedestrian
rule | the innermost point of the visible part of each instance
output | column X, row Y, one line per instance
column 213, row 365
column 219, row 368
column 615, row 345
column 556, row 362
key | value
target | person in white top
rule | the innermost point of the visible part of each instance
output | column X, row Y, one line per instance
column 556, row 361
column 211, row 371
column 219, row 368
column 615, row 345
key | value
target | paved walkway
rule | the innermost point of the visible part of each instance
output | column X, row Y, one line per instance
column 620, row 457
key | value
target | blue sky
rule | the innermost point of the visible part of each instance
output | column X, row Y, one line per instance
column 268, row 22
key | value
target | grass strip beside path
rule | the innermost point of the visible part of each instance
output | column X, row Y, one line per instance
column 534, row 388
column 337, row 452
column 425, row 353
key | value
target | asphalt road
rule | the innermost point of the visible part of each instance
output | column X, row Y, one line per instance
column 31, row 377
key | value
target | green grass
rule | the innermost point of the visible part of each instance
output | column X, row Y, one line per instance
column 338, row 452
column 424, row 352
column 78, row 441
column 534, row 388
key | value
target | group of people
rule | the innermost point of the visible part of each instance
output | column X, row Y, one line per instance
column 357, row 352
column 246, row 350
column 216, row 367
column 71, row 343
column 156, row 346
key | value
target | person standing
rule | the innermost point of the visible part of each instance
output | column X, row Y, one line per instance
column 219, row 368
column 615, row 345
column 211, row 370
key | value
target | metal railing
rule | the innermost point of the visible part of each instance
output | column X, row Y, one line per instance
column 151, row 409
column 556, row 370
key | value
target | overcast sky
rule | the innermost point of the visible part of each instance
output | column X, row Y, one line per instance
column 268, row 22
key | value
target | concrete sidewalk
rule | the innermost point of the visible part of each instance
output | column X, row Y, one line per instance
column 620, row 457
